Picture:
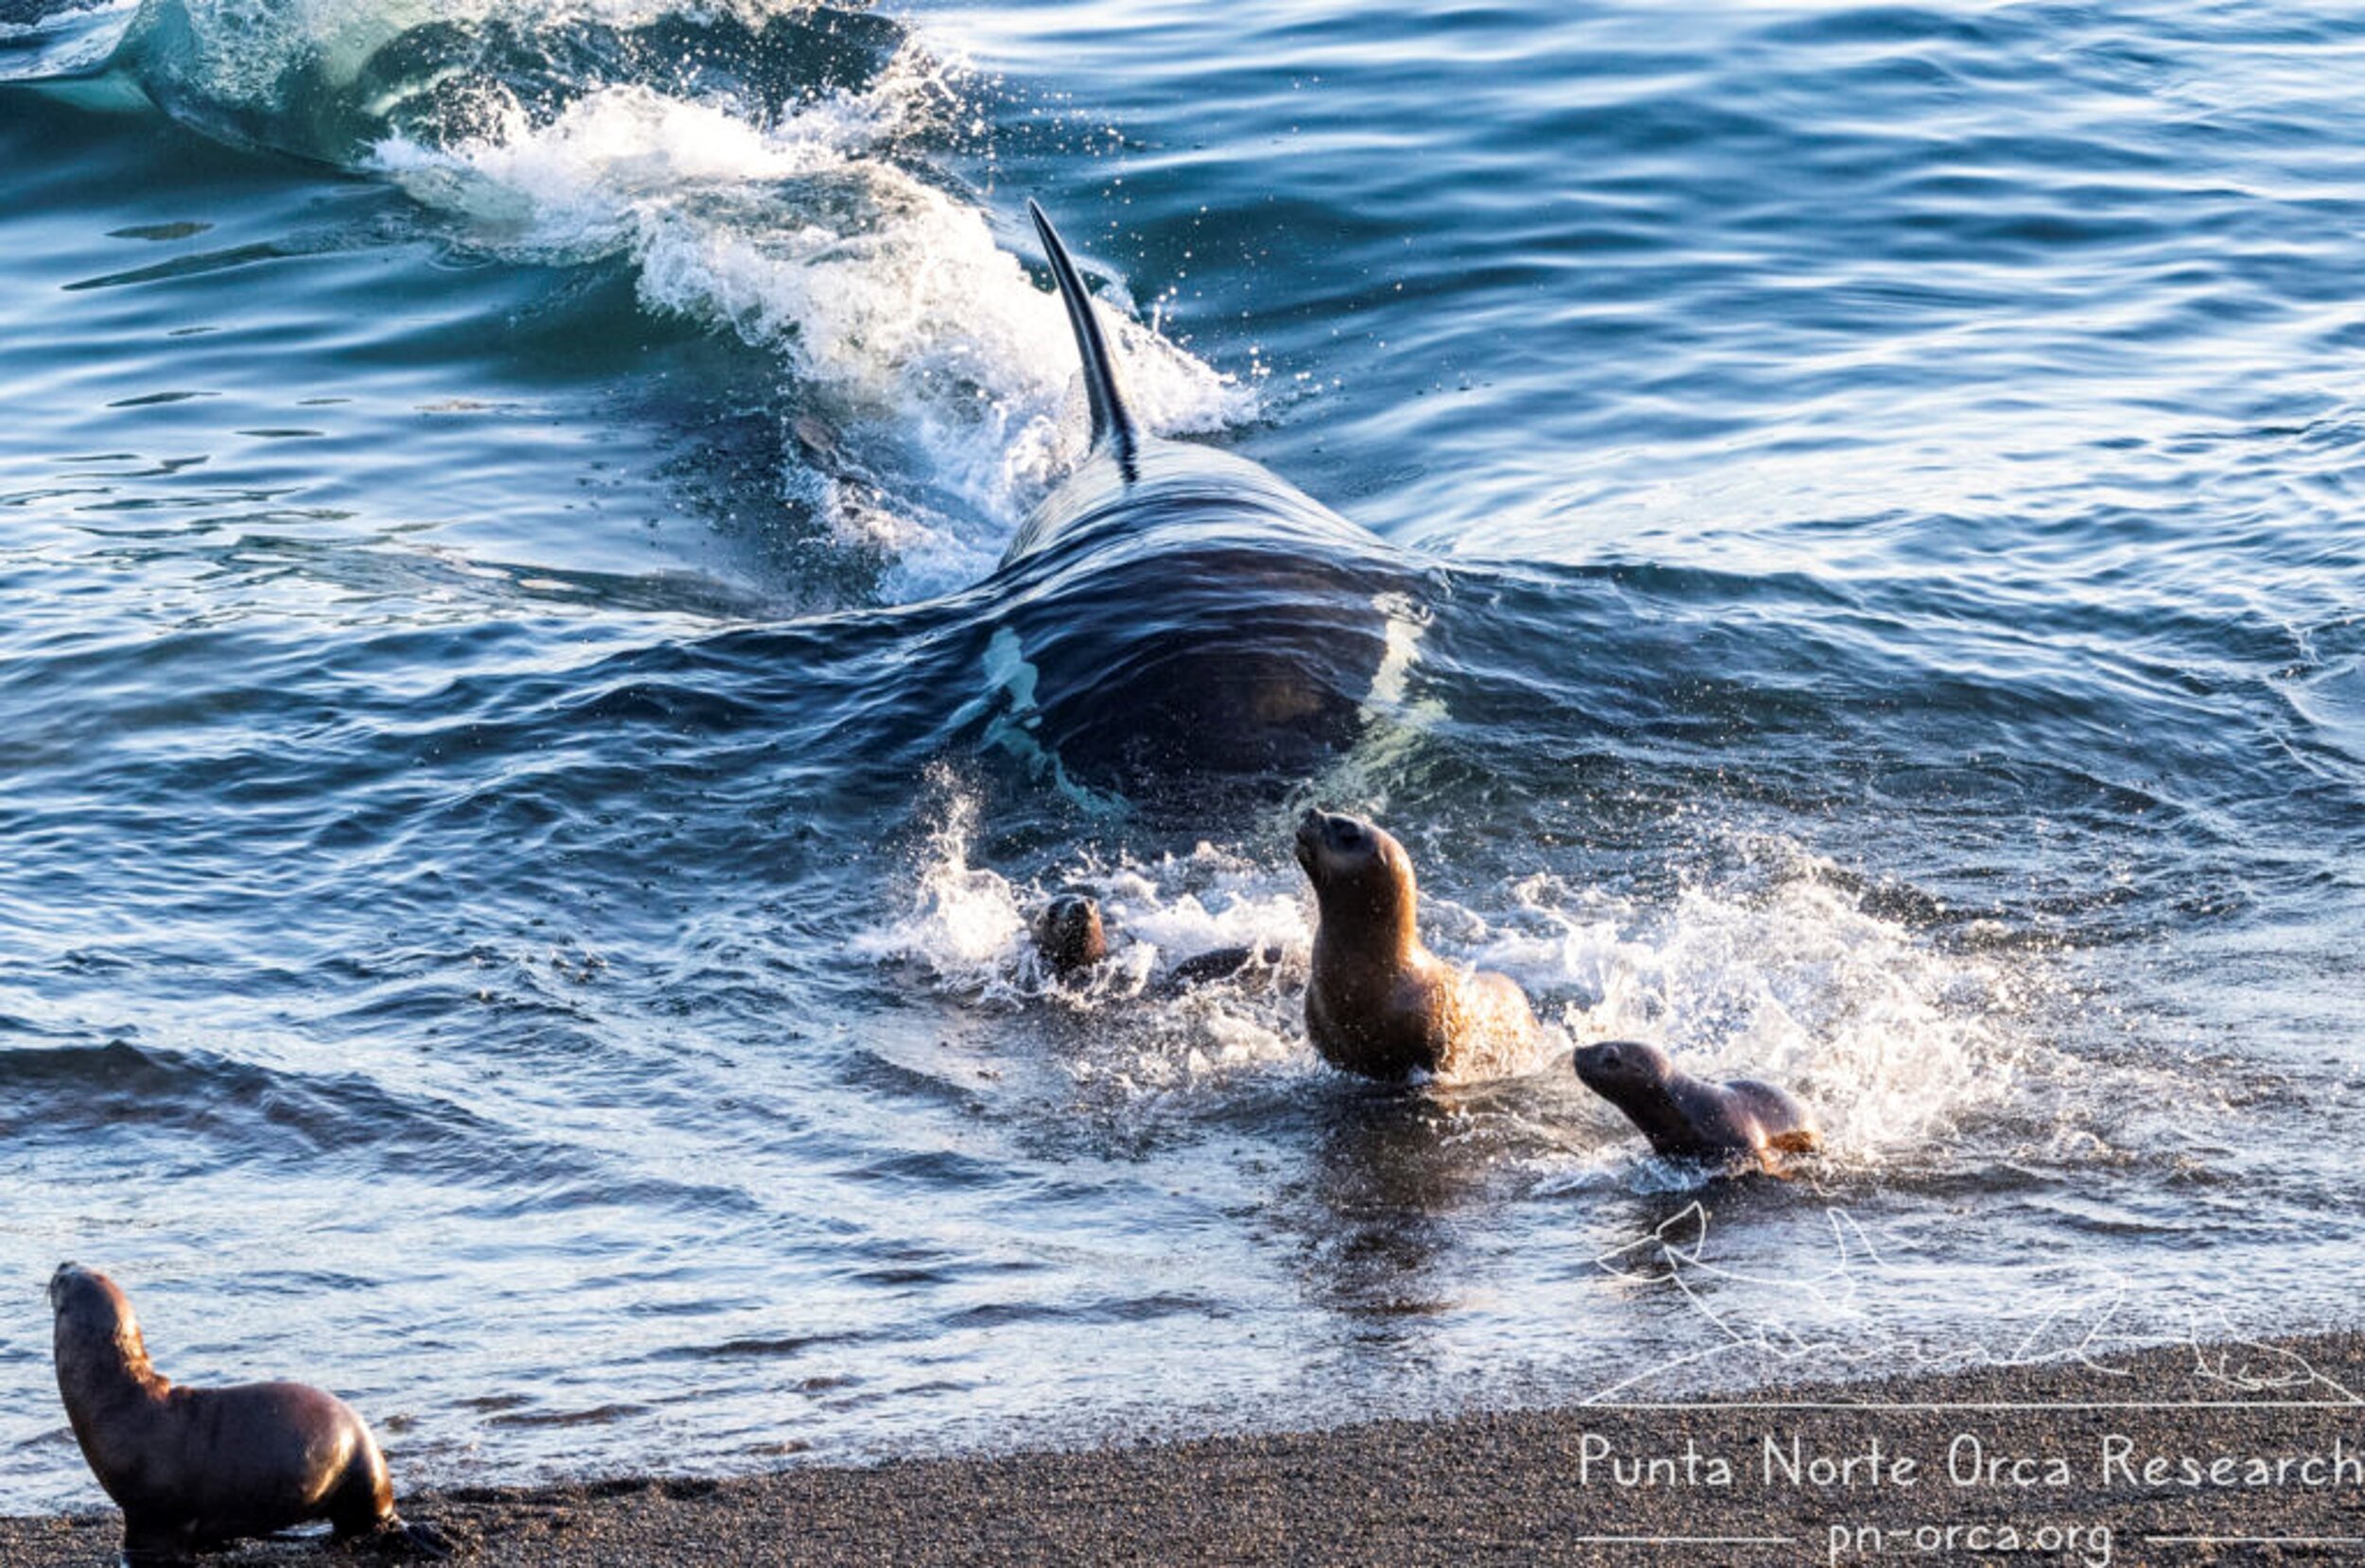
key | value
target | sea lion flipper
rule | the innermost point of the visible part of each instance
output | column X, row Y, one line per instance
column 1112, row 423
column 1220, row 963
column 397, row 1540
column 1796, row 1140
column 157, row 1543
column 404, row 1538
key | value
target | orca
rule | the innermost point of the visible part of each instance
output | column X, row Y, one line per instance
column 1172, row 611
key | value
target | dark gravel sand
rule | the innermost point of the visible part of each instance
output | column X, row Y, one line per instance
column 2273, row 1437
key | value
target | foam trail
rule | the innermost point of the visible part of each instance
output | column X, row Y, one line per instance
column 891, row 302
column 769, row 181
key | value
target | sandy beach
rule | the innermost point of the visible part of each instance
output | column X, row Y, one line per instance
column 2193, row 1454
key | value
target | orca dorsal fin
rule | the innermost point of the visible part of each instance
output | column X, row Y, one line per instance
column 1112, row 425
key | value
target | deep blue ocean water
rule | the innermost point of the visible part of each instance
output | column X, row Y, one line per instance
column 512, row 890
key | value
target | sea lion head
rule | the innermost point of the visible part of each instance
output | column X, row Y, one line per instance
column 87, row 1295
column 1337, row 850
column 1068, row 933
column 97, row 1330
column 1616, row 1069
column 1362, row 876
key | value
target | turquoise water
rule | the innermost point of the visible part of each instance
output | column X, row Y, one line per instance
column 514, row 868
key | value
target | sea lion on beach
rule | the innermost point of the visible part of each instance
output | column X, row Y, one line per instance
column 1171, row 609
column 194, row 1469
column 1379, row 1003
column 1740, row 1123
column 1070, row 938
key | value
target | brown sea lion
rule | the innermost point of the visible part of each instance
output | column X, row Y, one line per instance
column 194, row 1469
column 1070, row 938
column 1379, row 1003
column 1740, row 1123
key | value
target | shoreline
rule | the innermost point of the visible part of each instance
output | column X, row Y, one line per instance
column 2150, row 1456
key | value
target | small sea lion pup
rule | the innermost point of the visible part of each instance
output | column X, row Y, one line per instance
column 194, row 1469
column 1737, row 1123
column 1377, row 1001
column 1070, row 938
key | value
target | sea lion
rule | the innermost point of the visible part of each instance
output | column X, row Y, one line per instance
column 1174, row 610
column 1070, row 938
column 1740, row 1123
column 1379, row 1003
column 194, row 1469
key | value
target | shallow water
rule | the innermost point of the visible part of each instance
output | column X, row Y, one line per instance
column 514, row 887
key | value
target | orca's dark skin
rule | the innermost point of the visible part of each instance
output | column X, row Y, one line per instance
column 1180, row 611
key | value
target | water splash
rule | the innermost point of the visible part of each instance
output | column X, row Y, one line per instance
column 965, row 923
column 767, row 171
column 1893, row 1037
column 1889, row 1036
column 942, row 373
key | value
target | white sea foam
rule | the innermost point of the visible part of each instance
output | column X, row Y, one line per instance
column 950, row 377
column 947, row 380
column 964, row 922
column 1889, row 1037
column 1892, row 1038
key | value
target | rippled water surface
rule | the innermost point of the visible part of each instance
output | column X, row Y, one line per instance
column 516, row 843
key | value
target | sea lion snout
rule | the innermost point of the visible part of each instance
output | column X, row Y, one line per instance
column 1330, row 842
column 1069, row 934
column 70, row 1280
column 1309, row 837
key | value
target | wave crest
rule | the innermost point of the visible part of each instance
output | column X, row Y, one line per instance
column 764, row 168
